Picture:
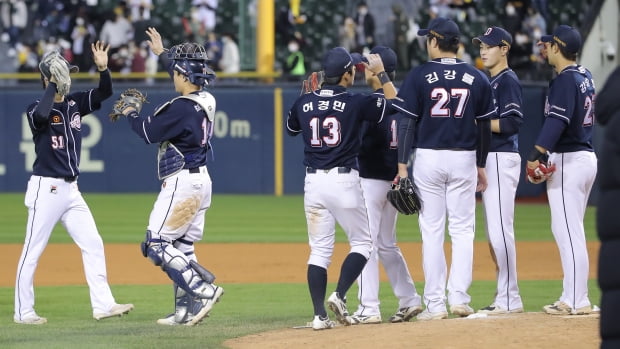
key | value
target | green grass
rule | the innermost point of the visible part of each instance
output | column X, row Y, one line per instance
column 245, row 308
column 247, row 218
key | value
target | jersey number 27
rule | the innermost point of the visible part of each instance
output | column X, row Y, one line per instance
column 442, row 97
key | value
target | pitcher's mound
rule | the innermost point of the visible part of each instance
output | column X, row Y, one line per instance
column 522, row 331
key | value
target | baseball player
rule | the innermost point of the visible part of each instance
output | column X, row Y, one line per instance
column 377, row 166
column 448, row 104
column 52, row 194
column 329, row 120
column 567, row 134
column 503, row 169
column 183, row 129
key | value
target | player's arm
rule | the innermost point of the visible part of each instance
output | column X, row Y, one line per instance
column 100, row 58
column 561, row 107
column 292, row 123
column 483, row 143
column 406, row 132
column 41, row 111
column 375, row 65
column 509, row 101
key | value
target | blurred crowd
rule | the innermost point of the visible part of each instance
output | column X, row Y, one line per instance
column 29, row 28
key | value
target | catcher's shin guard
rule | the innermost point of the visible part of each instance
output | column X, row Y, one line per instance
column 179, row 269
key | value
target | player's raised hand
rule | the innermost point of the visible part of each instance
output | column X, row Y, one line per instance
column 375, row 64
column 100, row 54
column 155, row 43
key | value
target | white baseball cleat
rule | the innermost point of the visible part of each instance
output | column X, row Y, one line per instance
column 357, row 319
column 168, row 321
column 405, row 314
column 339, row 307
column 561, row 308
column 33, row 319
column 494, row 309
column 461, row 309
column 427, row 315
column 207, row 305
column 117, row 310
column 319, row 323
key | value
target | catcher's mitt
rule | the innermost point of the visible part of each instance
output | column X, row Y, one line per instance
column 540, row 173
column 129, row 98
column 404, row 196
column 56, row 69
column 312, row 83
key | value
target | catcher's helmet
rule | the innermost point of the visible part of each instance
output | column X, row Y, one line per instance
column 44, row 65
column 191, row 60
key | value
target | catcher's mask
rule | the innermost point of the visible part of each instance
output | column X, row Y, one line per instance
column 44, row 65
column 190, row 60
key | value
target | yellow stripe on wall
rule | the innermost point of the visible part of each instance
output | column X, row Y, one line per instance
column 278, row 134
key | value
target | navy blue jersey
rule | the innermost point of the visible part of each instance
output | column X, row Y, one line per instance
column 571, row 100
column 378, row 157
column 330, row 120
column 184, row 123
column 57, row 128
column 506, row 89
column 446, row 96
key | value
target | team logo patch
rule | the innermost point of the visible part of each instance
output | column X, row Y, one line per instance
column 76, row 122
column 56, row 119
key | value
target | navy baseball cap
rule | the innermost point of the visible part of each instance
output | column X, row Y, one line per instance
column 338, row 60
column 566, row 37
column 441, row 28
column 388, row 56
column 494, row 36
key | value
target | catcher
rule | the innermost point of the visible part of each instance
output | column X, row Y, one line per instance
column 183, row 129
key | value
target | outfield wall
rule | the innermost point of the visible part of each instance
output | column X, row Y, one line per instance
column 252, row 153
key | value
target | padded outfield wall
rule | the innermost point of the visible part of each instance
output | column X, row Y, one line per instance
column 251, row 151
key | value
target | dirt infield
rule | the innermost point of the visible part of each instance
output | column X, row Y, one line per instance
column 61, row 265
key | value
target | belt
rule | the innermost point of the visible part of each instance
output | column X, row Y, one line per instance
column 318, row 170
column 194, row 170
column 68, row 179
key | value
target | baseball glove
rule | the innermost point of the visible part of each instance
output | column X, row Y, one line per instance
column 540, row 173
column 56, row 69
column 129, row 98
column 404, row 196
column 312, row 83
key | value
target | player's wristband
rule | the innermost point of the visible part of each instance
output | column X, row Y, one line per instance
column 383, row 78
column 537, row 155
column 132, row 114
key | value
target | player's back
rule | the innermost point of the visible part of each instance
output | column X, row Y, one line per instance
column 447, row 95
column 571, row 99
column 330, row 121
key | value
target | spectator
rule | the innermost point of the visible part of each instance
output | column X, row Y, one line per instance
column 82, row 36
column 28, row 59
column 140, row 10
column 206, row 13
column 346, row 34
column 139, row 55
column 214, row 48
column 15, row 18
column 400, row 25
column 294, row 67
column 230, row 61
column 121, row 60
column 116, row 31
column 365, row 28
